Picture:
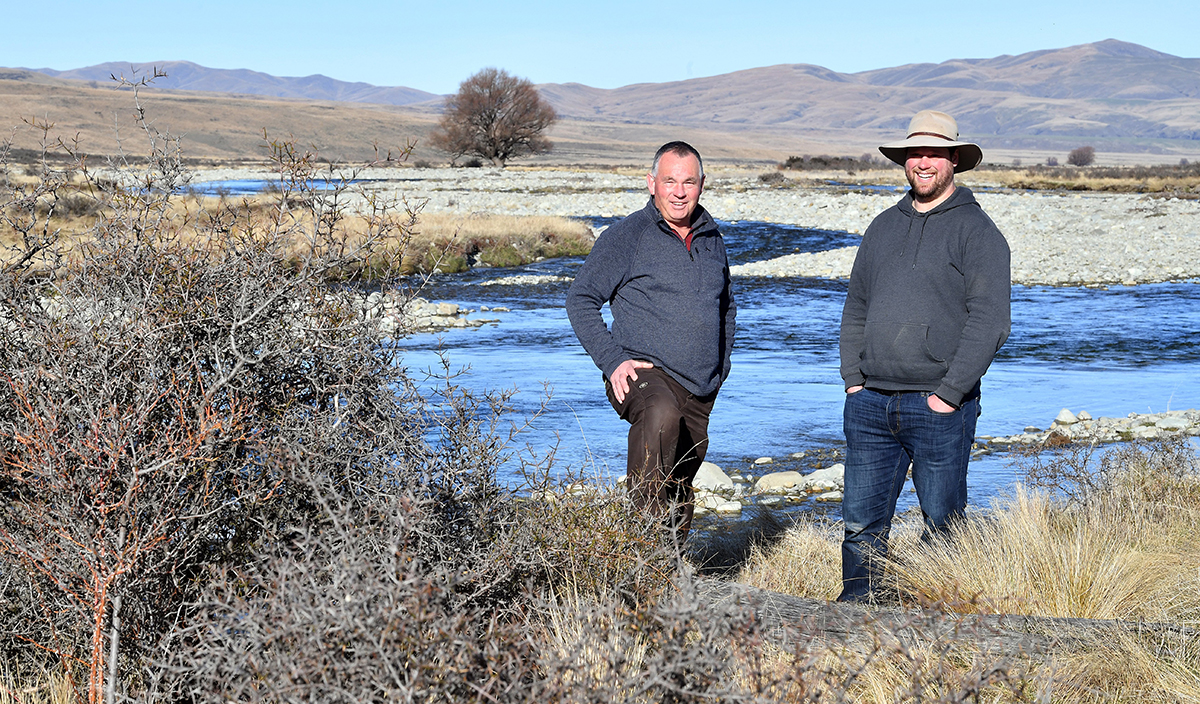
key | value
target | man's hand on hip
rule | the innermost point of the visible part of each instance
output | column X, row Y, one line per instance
column 854, row 389
column 623, row 374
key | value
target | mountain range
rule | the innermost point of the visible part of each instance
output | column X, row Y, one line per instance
column 185, row 75
column 1120, row 97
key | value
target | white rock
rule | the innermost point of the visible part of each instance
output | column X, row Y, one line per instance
column 729, row 507
column 1084, row 415
column 834, row 473
column 1173, row 423
column 763, row 460
column 777, row 482
column 830, row 496
column 708, row 502
column 1065, row 417
column 712, row 478
column 772, row 501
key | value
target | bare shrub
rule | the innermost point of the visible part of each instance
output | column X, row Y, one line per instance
column 157, row 387
column 494, row 116
column 1051, row 161
column 1081, row 156
column 378, row 599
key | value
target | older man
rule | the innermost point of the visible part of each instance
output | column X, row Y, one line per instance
column 664, row 273
column 927, row 309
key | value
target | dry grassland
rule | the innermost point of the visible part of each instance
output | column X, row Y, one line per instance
column 431, row 242
column 1182, row 181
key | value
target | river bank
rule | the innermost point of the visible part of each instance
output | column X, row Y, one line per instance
column 1057, row 239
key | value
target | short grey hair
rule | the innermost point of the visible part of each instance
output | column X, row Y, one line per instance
column 678, row 149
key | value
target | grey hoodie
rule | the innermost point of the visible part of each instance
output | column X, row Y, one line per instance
column 928, row 305
column 671, row 306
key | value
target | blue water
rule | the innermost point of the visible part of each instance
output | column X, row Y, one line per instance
column 1110, row 352
column 249, row 187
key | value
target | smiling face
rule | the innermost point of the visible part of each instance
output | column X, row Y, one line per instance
column 930, row 172
column 676, row 189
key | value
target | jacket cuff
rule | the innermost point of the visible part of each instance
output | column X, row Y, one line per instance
column 949, row 395
column 608, row 369
column 855, row 379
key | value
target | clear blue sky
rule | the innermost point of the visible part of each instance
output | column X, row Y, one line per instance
column 434, row 45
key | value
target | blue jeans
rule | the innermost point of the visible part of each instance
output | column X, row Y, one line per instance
column 885, row 432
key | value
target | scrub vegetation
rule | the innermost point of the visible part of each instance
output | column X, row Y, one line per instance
column 1177, row 181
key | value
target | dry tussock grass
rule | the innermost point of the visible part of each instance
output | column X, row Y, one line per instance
column 1128, row 669
column 497, row 240
column 1116, row 539
column 805, row 562
column 52, row 688
column 1031, row 557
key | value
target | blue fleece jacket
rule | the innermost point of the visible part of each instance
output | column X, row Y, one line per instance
column 928, row 305
column 671, row 305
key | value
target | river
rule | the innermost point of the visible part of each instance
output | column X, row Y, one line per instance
column 1109, row 352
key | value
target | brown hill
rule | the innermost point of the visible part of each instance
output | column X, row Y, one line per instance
column 1109, row 91
column 214, row 125
column 1129, row 102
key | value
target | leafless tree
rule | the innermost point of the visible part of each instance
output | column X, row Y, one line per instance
column 1081, row 156
column 495, row 116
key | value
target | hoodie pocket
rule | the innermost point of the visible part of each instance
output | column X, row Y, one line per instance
column 900, row 352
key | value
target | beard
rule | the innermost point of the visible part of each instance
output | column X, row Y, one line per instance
column 931, row 190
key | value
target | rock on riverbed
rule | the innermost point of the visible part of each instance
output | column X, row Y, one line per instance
column 1070, row 428
column 723, row 494
column 396, row 316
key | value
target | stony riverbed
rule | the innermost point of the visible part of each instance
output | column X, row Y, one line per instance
column 1057, row 239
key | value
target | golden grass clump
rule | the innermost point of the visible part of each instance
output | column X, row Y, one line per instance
column 806, row 562
column 1031, row 557
column 52, row 688
column 494, row 240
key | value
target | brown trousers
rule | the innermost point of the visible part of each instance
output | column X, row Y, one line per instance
column 668, row 438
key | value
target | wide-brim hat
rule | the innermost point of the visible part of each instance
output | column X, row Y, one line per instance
column 930, row 128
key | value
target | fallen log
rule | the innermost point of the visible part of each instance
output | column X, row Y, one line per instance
column 786, row 618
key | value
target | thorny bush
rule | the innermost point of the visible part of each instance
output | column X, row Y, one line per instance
column 167, row 385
